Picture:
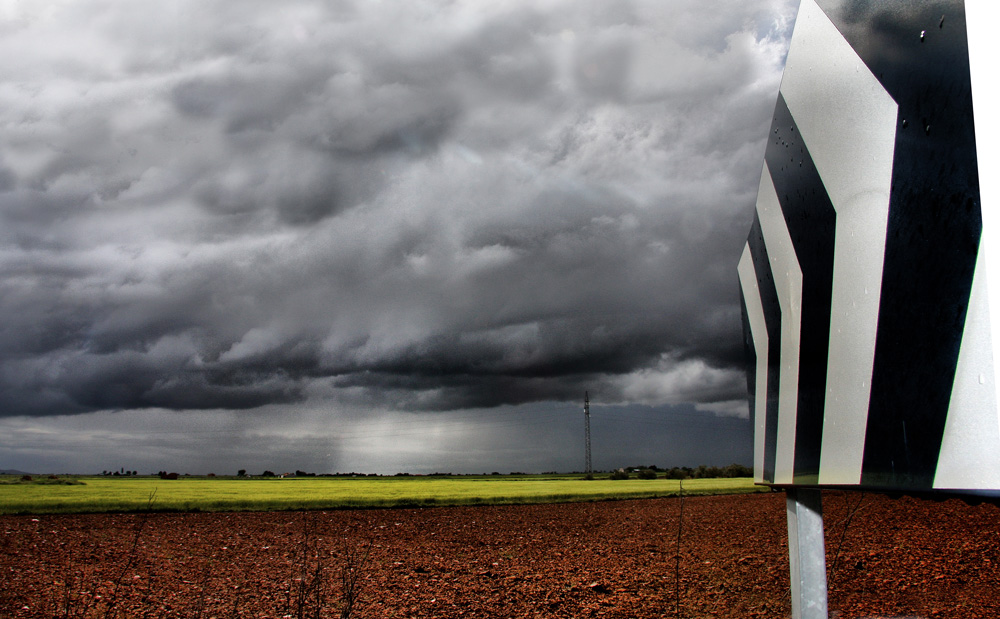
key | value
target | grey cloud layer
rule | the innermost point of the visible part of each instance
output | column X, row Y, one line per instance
column 428, row 206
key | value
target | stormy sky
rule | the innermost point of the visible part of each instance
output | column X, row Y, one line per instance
column 377, row 236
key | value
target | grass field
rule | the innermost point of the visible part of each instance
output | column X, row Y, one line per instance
column 131, row 494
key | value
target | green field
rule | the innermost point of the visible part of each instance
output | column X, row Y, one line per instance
column 131, row 494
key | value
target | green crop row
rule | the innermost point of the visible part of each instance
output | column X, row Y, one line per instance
column 136, row 494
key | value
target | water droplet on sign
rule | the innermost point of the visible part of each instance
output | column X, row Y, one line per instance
column 906, row 123
column 922, row 33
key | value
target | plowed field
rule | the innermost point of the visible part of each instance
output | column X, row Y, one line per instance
column 697, row 557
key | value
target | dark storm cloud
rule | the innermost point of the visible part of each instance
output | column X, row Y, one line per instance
column 424, row 207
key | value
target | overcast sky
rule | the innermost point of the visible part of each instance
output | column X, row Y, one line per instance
column 377, row 236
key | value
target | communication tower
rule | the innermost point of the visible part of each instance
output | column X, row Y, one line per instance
column 586, row 417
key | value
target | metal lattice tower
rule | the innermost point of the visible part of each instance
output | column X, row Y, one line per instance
column 586, row 416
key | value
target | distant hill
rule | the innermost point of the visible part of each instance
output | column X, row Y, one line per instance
column 12, row 472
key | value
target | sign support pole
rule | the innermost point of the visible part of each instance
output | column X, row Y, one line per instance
column 806, row 553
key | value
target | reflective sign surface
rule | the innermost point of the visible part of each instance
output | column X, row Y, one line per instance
column 867, row 319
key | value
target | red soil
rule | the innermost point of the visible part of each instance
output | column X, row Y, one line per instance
column 894, row 558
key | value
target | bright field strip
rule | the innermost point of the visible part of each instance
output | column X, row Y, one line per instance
column 190, row 494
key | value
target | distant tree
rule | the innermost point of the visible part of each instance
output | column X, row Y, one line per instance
column 267, row 474
column 241, row 473
column 619, row 474
column 676, row 473
column 647, row 474
column 737, row 470
column 707, row 472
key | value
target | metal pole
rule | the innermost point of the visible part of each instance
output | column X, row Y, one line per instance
column 806, row 553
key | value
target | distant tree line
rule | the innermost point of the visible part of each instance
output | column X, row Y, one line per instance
column 298, row 473
column 642, row 472
column 684, row 472
column 119, row 473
